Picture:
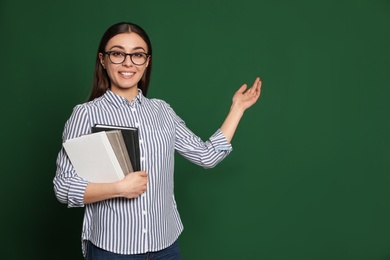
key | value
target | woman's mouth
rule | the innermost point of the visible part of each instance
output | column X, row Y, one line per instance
column 127, row 74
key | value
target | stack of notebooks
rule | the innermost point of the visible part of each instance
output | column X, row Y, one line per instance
column 108, row 154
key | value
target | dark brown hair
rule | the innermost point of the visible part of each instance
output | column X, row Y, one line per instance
column 101, row 81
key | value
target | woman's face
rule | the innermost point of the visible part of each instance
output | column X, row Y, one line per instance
column 126, row 75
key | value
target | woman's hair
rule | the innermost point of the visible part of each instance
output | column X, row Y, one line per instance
column 101, row 81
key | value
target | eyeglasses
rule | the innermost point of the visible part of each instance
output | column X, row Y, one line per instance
column 118, row 57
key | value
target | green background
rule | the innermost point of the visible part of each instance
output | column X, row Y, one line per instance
column 309, row 177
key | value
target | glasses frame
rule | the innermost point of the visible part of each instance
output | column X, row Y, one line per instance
column 125, row 56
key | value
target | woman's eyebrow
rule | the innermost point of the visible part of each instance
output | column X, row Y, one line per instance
column 120, row 47
column 117, row 46
column 139, row 48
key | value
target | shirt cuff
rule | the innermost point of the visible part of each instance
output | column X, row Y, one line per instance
column 76, row 193
column 219, row 142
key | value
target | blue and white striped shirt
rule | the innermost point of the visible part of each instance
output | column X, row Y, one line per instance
column 150, row 222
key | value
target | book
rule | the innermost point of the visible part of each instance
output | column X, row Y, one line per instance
column 131, row 137
column 99, row 157
column 118, row 145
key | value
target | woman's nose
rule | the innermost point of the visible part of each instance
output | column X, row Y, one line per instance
column 127, row 62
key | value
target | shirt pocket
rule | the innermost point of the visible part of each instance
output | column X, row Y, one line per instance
column 159, row 140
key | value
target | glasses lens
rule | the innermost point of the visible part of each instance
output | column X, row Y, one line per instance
column 138, row 58
column 117, row 57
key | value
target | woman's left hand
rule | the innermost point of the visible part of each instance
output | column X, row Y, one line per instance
column 245, row 99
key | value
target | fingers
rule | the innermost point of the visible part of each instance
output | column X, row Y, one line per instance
column 259, row 83
column 143, row 173
column 241, row 89
column 256, row 88
column 143, row 182
column 256, row 84
column 140, row 173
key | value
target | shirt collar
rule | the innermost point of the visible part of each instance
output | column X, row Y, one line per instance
column 118, row 101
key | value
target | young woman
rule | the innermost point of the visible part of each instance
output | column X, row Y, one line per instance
column 137, row 217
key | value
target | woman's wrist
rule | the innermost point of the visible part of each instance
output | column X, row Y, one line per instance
column 236, row 110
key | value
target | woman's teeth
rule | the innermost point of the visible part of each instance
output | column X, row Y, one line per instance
column 127, row 73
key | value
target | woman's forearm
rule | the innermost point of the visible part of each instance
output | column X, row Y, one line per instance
column 133, row 185
column 231, row 122
column 100, row 191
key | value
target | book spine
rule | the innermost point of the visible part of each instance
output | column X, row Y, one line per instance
column 113, row 158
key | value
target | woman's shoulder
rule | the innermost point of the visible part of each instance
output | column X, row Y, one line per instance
column 83, row 108
column 90, row 103
column 157, row 102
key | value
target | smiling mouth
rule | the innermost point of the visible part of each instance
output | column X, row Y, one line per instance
column 127, row 74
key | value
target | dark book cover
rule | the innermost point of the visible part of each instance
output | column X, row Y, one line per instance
column 130, row 135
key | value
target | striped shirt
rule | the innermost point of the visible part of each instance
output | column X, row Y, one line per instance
column 150, row 222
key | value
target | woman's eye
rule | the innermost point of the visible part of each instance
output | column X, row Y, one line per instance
column 137, row 54
column 116, row 53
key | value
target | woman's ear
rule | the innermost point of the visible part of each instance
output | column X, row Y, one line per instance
column 102, row 60
column 147, row 62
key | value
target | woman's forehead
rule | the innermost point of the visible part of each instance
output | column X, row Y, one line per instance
column 127, row 41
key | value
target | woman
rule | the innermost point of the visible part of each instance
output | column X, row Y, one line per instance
column 137, row 217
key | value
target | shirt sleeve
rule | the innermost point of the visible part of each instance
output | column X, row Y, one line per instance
column 206, row 154
column 219, row 142
column 68, row 186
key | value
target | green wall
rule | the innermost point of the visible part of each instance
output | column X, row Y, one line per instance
column 309, row 177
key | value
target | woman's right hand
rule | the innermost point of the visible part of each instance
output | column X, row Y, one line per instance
column 133, row 185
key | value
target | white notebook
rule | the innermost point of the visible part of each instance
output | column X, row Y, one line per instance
column 94, row 158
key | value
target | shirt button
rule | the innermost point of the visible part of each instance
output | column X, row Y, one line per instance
column 132, row 109
column 137, row 124
column 144, row 212
column 144, row 230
